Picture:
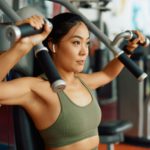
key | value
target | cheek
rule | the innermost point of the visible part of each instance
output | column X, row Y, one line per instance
column 64, row 57
column 68, row 52
column 69, row 58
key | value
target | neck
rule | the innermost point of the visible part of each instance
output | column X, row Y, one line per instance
column 68, row 77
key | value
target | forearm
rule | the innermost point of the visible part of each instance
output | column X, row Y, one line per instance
column 8, row 60
column 113, row 68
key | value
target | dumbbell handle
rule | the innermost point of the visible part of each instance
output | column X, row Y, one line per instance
column 13, row 32
column 132, row 66
column 128, row 35
column 134, row 36
column 49, row 68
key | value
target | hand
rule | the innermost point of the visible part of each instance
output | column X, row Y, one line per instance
column 132, row 45
column 37, row 22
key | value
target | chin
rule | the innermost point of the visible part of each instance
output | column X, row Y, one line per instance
column 79, row 70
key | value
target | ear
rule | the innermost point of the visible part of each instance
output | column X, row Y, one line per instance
column 52, row 47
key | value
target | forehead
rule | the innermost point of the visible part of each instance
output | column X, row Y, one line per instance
column 79, row 30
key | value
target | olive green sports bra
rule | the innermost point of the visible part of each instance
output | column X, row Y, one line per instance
column 74, row 122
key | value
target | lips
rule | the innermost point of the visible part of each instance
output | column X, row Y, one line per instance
column 81, row 62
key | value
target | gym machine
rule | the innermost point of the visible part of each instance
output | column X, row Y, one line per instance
column 132, row 67
column 134, row 100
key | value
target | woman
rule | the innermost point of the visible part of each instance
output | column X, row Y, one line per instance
column 66, row 120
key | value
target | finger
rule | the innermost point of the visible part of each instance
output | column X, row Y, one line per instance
column 137, row 39
column 131, row 47
column 36, row 39
column 37, row 21
column 141, row 37
column 47, row 30
column 132, row 44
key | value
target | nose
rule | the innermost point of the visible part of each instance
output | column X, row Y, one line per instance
column 84, row 50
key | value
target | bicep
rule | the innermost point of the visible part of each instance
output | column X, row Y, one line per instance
column 12, row 90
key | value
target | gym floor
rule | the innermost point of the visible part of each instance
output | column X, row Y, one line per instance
column 123, row 147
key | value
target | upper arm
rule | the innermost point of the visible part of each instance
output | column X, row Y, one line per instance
column 96, row 79
column 10, row 91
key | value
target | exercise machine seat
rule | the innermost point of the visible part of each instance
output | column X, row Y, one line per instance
column 112, row 132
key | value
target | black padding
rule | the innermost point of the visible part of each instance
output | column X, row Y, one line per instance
column 25, row 65
column 112, row 132
column 112, row 139
column 100, row 61
column 26, row 135
column 114, row 127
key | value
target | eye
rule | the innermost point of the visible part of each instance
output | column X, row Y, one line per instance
column 76, row 43
column 88, row 43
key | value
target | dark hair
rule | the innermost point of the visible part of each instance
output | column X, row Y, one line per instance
column 62, row 24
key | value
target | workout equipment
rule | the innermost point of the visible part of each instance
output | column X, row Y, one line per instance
column 134, row 101
column 96, row 31
column 129, row 35
column 48, row 66
column 106, row 94
column 112, row 132
column 14, row 33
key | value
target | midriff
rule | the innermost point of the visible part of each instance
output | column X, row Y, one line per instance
column 86, row 144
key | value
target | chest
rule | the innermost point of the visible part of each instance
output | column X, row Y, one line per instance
column 79, row 95
column 75, row 119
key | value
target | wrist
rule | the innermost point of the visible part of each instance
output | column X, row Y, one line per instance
column 19, row 49
column 128, row 52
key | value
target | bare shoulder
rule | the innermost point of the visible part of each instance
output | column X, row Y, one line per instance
column 86, row 78
column 93, row 80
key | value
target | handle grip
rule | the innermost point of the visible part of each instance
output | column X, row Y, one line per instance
column 13, row 32
column 49, row 68
column 146, row 42
column 132, row 67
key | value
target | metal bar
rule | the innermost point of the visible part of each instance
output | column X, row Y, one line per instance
column 9, row 11
column 110, row 147
column 16, row 4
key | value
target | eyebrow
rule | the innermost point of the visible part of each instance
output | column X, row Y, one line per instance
column 80, row 37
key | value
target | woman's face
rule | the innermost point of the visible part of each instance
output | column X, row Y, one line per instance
column 73, row 49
